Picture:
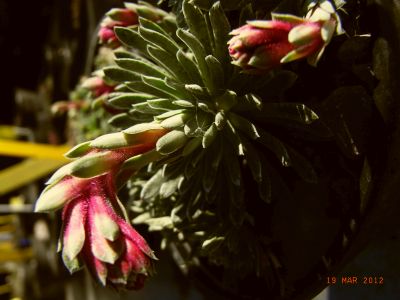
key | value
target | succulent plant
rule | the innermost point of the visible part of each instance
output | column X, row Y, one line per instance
column 215, row 146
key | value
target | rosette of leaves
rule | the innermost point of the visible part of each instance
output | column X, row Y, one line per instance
column 221, row 157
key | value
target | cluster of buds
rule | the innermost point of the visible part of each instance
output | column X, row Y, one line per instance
column 126, row 17
column 61, row 107
column 96, row 231
column 263, row 45
column 116, row 17
column 98, row 88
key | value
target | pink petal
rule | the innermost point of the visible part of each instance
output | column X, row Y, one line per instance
column 100, row 247
column 136, row 238
column 74, row 233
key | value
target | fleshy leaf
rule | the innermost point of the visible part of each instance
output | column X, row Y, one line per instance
column 78, row 150
column 171, row 142
column 54, row 197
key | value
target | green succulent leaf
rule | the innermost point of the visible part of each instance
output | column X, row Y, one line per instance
column 131, row 39
column 171, row 142
column 126, row 100
column 146, row 23
column 191, row 146
column 212, row 244
column 161, row 86
column 163, row 103
column 168, row 61
column 120, row 75
column 122, row 120
column 233, row 137
column 196, row 90
column 169, row 187
column 142, row 67
column 221, row 28
column 162, row 41
column 139, row 161
column 197, row 25
column 216, row 74
column 199, row 53
column 196, row 127
column 209, row 135
column 138, row 117
column 220, row 120
column 179, row 88
column 152, row 187
column 253, row 160
column 169, row 114
column 190, row 67
column 111, row 141
column 147, row 88
column 175, row 121
column 92, row 165
column 137, row 130
column 244, row 125
column 183, row 103
column 145, row 108
column 122, row 54
column 227, row 100
column 78, row 150
column 276, row 146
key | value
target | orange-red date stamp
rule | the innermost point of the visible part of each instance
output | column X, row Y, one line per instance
column 355, row 280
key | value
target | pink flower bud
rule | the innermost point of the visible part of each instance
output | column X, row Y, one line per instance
column 95, row 231
column 260, row 48
column 263, row 45
column 116, row 17
column 97, row 86
column 126, row 16
column 107, row 37
column 60, row 107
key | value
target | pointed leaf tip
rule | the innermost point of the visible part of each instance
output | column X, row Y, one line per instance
column 107, row 227
column 53, row 197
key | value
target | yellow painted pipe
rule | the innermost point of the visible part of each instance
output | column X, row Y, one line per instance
column 16, row 254
column 25, row 172
column 26, row 149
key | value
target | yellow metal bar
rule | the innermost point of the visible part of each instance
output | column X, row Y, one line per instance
column 16, row 254
column 4, row 219
column 26, row 149
column 26, row 172
column 8, row 132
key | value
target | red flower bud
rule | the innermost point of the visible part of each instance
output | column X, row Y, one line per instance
column 95, row 230
column 263, row 45
column 96, row 233
column 124, row 16
column 116, row 17
column 255, row 47
column 97, row 86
